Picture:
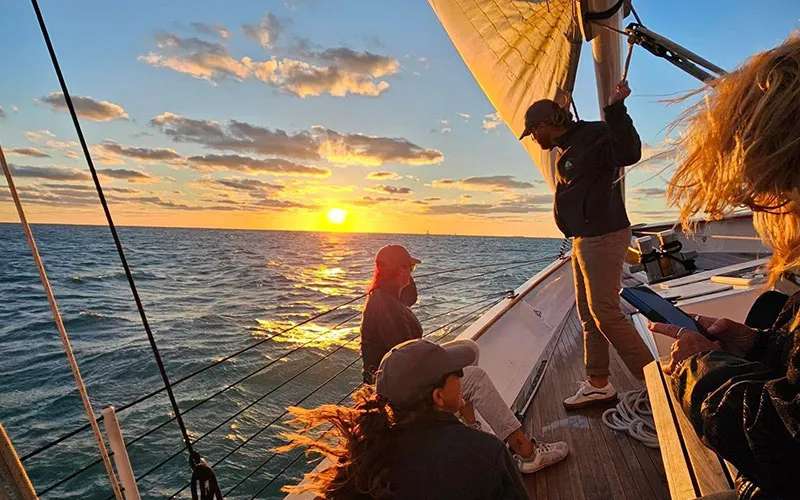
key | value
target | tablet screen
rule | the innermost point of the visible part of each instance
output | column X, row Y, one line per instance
column 656, row 308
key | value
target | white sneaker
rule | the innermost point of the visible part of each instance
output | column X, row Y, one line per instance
column 546, row 454
column 588, row 395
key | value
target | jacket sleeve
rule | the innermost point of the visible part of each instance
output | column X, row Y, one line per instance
column 512, row 487
column 626, row 147
column 746, row 411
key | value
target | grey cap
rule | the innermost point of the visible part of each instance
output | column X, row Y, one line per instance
column 414, row 366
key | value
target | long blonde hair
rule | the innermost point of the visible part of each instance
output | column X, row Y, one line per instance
column 741, row 148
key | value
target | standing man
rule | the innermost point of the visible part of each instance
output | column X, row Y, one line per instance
column 590, row 208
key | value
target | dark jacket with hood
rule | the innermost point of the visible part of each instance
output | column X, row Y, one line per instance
column 589, row 198
column 748, row 409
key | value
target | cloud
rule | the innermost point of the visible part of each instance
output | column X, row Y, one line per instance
column 359, row 149
column 52, row 173
column 488, row 183
column 143, row 154
column 389, row 176
column 48, row 139
column 275, row 166
column 318, row 143
column 308, row 80
column 648, row 192
column 523, row 204
column 212, row 29
column 237, row 136
column 465, row 116
column 32, row 152
column 337, row 71
column 368, row 201
column 491, row 121
column 365, row 63
column 198, row 58
column 250, row 186
column 87, row 107
column 390, row 189
column 445, row 127
column 266, row 32
column 134, row 176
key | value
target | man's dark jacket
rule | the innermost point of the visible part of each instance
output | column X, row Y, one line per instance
column 589, row 199
column 748, row 409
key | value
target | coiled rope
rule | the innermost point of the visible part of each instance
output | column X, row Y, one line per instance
column 633, row 415
column 62, row 331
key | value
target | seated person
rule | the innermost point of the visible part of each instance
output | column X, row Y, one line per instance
column 401, row 439
column 387, row 321
column 741, row 390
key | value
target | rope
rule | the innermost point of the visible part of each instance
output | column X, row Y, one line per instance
column 62, row 331
column 627, row 61
column 195, row 458
column 634, row 416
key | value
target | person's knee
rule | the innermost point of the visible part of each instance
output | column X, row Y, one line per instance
column 606, row 313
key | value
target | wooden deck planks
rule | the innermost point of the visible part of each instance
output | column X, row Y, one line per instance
column 603, row 464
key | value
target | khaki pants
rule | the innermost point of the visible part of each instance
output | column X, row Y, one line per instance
column 597, row 269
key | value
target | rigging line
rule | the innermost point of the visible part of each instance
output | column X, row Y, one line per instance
column 112, row 228
column 469, row 268
column 459, row 319
column 451, row 311
column 62, row 331
column 190, row 375
column 265, row 462
column 443, row 302
column 261, row 398
column 480, row 275
column 273, row 421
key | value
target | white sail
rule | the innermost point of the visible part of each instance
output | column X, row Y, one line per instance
column 519, row 51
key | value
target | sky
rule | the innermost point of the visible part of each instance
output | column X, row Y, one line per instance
column 311, row 115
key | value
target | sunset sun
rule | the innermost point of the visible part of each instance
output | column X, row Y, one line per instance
column 337, row 216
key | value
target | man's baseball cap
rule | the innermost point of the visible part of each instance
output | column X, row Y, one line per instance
column 415, row 366
column 542, row 111
column 394, row 256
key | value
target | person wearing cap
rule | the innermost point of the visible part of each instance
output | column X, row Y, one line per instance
column 387, row 321
column 402, row 440
column 589, row 207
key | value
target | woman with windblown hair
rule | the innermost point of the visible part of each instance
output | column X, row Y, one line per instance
column 401, row 439
column 742, row 390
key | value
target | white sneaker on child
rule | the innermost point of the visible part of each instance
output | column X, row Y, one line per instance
column 546, row 454
column 588, row 395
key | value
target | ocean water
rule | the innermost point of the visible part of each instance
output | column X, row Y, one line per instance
column 208, row 293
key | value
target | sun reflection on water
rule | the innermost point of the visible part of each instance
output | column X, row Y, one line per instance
column 311, row 335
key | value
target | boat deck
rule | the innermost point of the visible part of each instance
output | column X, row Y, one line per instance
column 603, row 464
